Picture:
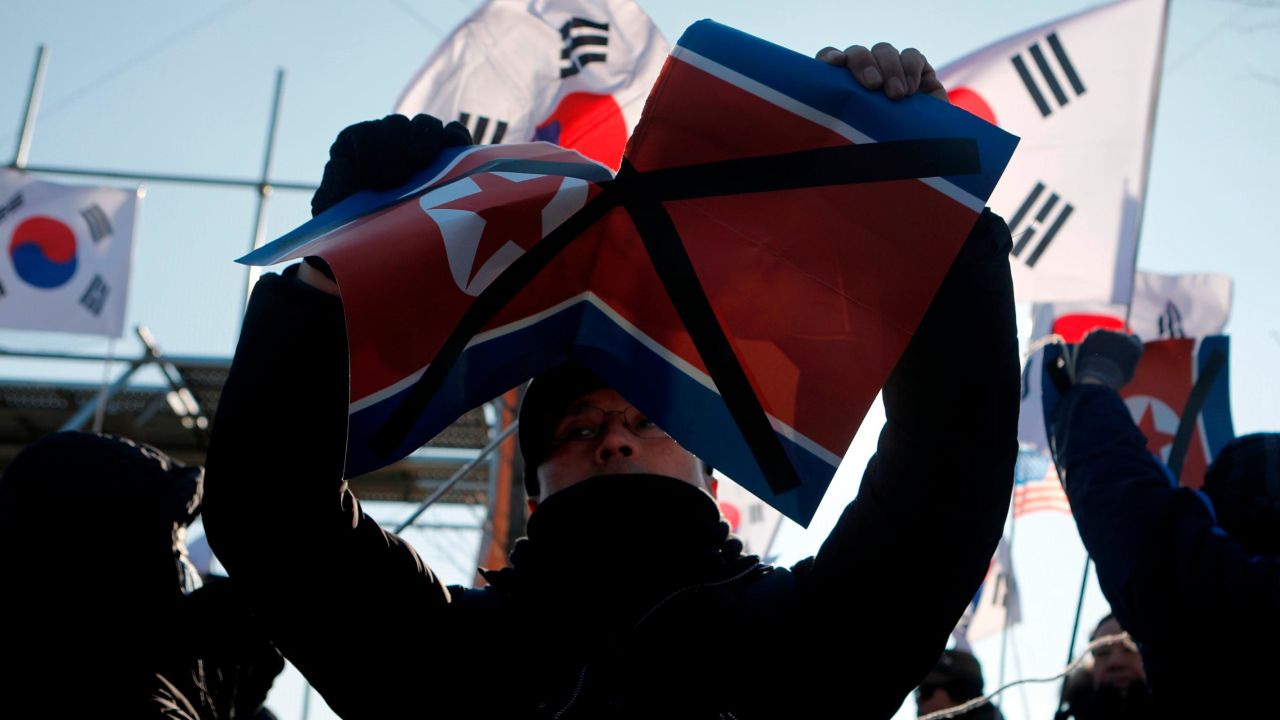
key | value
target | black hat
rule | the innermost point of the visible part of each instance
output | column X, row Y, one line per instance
column 546, row 399
column 129, row 505
column 1244, row 484
column 957, row 671
column 1248, row 465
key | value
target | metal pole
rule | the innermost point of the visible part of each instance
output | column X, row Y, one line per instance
column 1148, row 143
column 253, row 183
column 100, row 413
column 195, row 361
column 1075, row 627
column 453, row 479
column 306, row 699
column 264, row 189
column 767, row 555
column 33, row 105
column 1008, row 616
column 83, row 414
column 177, row 384
column 493, row 413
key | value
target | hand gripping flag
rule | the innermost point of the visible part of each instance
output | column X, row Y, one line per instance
column 571, row 72
column 1180, row 399
column 1080, row 92
column 69, row 251
column 748, row 279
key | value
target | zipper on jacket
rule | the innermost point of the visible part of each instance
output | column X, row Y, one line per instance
column 574, row 697
column 691, row 588
column 583, row 673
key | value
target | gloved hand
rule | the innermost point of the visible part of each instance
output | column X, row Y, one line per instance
column 238, row 662
column 382, row 154
column 1108, row 358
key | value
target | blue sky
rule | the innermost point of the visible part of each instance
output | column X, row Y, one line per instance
column 167, row 87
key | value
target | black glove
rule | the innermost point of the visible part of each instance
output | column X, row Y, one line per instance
column 382, row 154
column 1109, row 357
column 239, row 662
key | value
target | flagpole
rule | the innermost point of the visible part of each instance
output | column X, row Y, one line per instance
column 1075, row 627
column 306, row 699
column 766, row 556
column 33, row 105
column 264, row 191
column 100, row 412
column 1148, row 143
column 1004, row 633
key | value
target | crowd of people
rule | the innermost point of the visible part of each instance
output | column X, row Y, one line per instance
column 628, row 597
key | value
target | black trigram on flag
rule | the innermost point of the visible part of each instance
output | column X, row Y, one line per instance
column 95, row 296
column 1170, row 322
column 99, row 225
column 1055, row 84
column 584, row 42
column 1044, row 223
column 481, row 126
column 10, row 205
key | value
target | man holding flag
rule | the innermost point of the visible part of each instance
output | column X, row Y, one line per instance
column 1197, row 584
column 628, row 597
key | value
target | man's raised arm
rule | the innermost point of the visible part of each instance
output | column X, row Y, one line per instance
column 910, row 551
column 278, row 511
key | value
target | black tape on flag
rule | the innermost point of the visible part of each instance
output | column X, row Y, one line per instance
column 680, row 280
column 1191, row 412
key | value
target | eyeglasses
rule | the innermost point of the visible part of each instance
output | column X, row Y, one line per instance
column 586, row 422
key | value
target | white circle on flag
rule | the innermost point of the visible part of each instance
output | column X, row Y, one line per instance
column 1163, row 418
column 462, row 230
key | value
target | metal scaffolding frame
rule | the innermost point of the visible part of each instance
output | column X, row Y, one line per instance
column 456, row 466
column 460, row 465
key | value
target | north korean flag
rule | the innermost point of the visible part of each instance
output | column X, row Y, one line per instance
column 748, row 279
column 1179, row 398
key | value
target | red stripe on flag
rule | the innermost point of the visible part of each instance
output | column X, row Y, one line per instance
column 1040, row 496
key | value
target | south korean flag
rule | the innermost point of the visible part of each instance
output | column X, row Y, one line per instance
column 1081, row 93
column 69, row 249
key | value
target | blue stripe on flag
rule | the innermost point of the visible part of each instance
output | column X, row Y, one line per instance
column 589, row 336
column 352, row 208
column 832, row 91
column 1216, row 414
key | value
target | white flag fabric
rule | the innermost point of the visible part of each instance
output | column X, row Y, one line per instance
column 1175, row 306
column 1164, row 307
column 1080, row 92
column 996, row 604
column 752, row 520
column 572, row 72
column 70, row 249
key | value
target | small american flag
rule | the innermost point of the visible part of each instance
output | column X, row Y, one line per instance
column 1036, row 486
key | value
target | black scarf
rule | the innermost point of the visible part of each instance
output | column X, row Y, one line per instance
column 612, row 547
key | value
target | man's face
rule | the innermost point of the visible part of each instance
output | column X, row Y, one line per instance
column 933, row 699
column 615, row 450
column 1117, row 665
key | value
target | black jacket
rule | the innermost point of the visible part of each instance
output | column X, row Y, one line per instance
column 660, row 618
column 1205, row 613
column 92, row 574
